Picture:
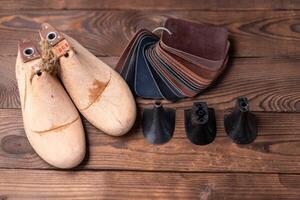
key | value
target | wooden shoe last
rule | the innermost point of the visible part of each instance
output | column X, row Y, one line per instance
column 99, row 93
column 51, row 121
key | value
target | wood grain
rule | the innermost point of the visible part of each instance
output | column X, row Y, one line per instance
column 151, row 4
column 269, row 84
column 264, row 67
column 9, row 93
column 32, row 184
column 275, row 150
column 106, row 33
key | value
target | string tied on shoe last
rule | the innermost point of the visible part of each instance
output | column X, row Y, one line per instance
column 50, row 62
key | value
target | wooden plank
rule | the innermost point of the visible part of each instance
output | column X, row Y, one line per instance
column 270, row 85
column 276, row 149
column 106, row 33
column 32, row 184
column 151, row 4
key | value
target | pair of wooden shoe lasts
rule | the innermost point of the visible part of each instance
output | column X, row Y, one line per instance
column 200, row 123
column 51, row 121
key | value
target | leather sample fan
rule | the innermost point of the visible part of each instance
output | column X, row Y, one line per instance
column 183, row 62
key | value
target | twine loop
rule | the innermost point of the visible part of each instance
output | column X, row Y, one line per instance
column 50, row 62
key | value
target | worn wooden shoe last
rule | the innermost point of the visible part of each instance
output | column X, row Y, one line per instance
column 99, row 93
column 51, row 121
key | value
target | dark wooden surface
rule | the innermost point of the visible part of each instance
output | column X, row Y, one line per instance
column 264, row 66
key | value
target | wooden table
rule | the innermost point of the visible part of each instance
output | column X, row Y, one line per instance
column 264, row 67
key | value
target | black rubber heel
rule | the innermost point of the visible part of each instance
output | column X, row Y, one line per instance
column 158, row 124
column 200, row 124
column 240, row 125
